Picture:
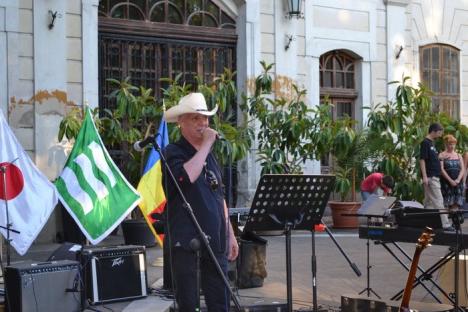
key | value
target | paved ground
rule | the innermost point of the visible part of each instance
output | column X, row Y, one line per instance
column 335, row 276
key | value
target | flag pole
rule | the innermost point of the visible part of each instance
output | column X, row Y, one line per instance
column 3, row 170
column 83, row 112
column 159, row 261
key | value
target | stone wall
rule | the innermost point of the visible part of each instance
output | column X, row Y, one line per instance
column 42, row 75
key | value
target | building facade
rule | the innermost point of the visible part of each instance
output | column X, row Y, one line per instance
column 55, row 54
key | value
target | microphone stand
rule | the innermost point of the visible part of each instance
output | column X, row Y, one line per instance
column 457, row 218
column 201, row 234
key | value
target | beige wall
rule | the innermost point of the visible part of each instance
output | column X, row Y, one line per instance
column 44, row 69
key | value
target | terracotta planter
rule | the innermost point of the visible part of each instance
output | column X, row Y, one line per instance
column 339, row 208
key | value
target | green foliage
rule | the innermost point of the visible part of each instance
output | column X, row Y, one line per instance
column 284, row 141
column 137, row 114
column 395, row 131
column 119, row 128
column 291, row 133
column 350, row 152
column 345, row 142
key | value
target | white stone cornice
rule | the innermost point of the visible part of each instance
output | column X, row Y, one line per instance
column 397, row 2
column 9, row 3
column 90, row 2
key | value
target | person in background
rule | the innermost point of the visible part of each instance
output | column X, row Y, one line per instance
column 376, row 182
column 199, row 177
column 430, row 172
column 453, row 171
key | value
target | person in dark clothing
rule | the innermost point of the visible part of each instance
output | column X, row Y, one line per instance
column 199, row 177
column 430, row 172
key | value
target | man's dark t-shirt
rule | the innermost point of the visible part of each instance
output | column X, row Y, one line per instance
column 207, row 203
column 429, row 153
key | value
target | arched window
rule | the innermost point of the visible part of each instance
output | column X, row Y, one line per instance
column 338, row 81
column 338, row 84
column 147, row 40
column 440, row 71
column 187, row 12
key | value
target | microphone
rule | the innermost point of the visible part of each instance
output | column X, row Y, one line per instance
column 140, row 145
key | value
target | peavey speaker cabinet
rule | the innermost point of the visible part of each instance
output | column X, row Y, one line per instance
column 114, row 273
column 46, row 286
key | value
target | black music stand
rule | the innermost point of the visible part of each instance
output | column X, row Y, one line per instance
column 374, row 207
column 286, row 202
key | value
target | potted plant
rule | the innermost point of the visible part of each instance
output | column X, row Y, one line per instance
column 349, row 152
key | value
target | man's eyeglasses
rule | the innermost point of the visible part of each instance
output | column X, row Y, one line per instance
column 210, row 177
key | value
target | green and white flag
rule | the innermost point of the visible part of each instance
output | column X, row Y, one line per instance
column 92, row 188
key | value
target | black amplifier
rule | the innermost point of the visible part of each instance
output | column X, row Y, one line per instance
column 44, row 286
column 114, row 273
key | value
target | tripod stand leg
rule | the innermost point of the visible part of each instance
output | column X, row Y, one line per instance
column 314, row 273
column 352, row 264
column 288, row 269
column 368, row 289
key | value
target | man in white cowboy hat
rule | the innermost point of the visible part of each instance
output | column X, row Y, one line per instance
column 199, row 177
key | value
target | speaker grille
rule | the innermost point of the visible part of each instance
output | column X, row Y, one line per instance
column 114, row 274
column 48, row 286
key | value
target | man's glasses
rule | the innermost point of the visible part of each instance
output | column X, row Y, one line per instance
column 210, row 177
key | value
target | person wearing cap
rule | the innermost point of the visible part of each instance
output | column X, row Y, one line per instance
column 199, row 177
column 430, row 171
column 453, row 172
column 375, row 182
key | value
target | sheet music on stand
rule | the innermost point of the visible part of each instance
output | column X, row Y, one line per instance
column 376, row 206
column 295, row 198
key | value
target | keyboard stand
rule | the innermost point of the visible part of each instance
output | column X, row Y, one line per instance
column 426, row 275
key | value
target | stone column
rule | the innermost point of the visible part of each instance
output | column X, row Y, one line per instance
column 396, row 43
column 248, row 58
column 9, row 28
column 90, row 52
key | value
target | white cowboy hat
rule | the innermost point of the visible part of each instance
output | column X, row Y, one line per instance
column 192, row 103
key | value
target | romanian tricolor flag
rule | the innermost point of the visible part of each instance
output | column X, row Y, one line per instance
column 150, row 186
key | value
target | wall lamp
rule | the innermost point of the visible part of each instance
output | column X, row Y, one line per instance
column 294, row 9
column 53, row 16
column 289, row 39
column 398, row 50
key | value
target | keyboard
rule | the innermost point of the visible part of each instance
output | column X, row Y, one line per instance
column 409, row 235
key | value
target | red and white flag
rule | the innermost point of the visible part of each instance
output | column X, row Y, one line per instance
column 29, row 195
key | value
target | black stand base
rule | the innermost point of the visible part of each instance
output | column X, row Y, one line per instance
column 368, row 289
